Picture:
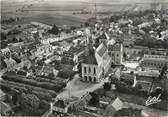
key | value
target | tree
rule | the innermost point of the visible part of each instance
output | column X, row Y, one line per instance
column 14, row 40
column 163, row 71
column 66, row 73
column 44, row 104
column 124, row 56
column 72, row 28
column 94, row 101
column 30, row 103
column 139, row 86
column 54, row 30
column 96, row 44
column 107, row 86
column 16, row 59
column 64, row 60
column 51, row 76
column 2, row 62
column 79, row 66
column 3, row 36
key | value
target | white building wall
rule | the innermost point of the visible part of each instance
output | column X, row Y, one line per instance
column 90, row 73
column 117, row 56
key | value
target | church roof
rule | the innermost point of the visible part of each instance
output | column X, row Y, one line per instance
column 101, row 49
column 90, row 58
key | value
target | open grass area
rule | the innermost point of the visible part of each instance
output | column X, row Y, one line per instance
column 61, row 13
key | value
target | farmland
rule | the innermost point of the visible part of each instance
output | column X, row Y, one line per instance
column 61, row 13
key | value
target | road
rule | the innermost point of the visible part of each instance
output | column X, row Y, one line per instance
column 78, row 88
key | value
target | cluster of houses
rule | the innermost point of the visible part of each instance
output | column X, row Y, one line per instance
column 97, row 49
column 107, row 107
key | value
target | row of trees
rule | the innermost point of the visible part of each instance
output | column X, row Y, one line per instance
column 42, row 84
column 9, row 20
column 26, row 103
column 55, row 30
column 41, row 94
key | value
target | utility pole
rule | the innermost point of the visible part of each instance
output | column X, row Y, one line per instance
column 69, row 92
column 151, row 86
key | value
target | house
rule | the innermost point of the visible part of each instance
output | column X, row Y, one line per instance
column 41, row 25
column 5, row 51
column 75, row 53
column 134, row 51
column 107, row 105
column 52, row 58
column 96, row 64
column 103, row 37
column 44, row 49
column 62, row 106
column 145, row 24
column 158, row 51
column 114, row 106
column 10, row 62
column 116, row 53
column 84, row 100
column 45, row 70
column 154, row 61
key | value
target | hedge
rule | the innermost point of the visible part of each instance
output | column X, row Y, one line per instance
column 39, row 94
column 22, row 79
column 55, row 81
column 66, row 73
column 20, row 85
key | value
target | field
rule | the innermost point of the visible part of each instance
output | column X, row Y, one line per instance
column 61, row 13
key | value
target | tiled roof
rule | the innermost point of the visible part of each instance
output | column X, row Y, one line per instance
column 117, row 104
column 55, row 43
column 101, row 49
column 155, row 58
column 76, row 49
column 115, row 47
column 103, row 36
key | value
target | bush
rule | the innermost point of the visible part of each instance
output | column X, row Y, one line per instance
column 107, row 86
column 30, row 102
column 39, row 112
column 24, row 87
column 54, row 30
column 42, row 96
column 124, row 88
column 44, row 104
column 66, row 73
column 128, row 81
column 5, row 88
column 22, row 79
